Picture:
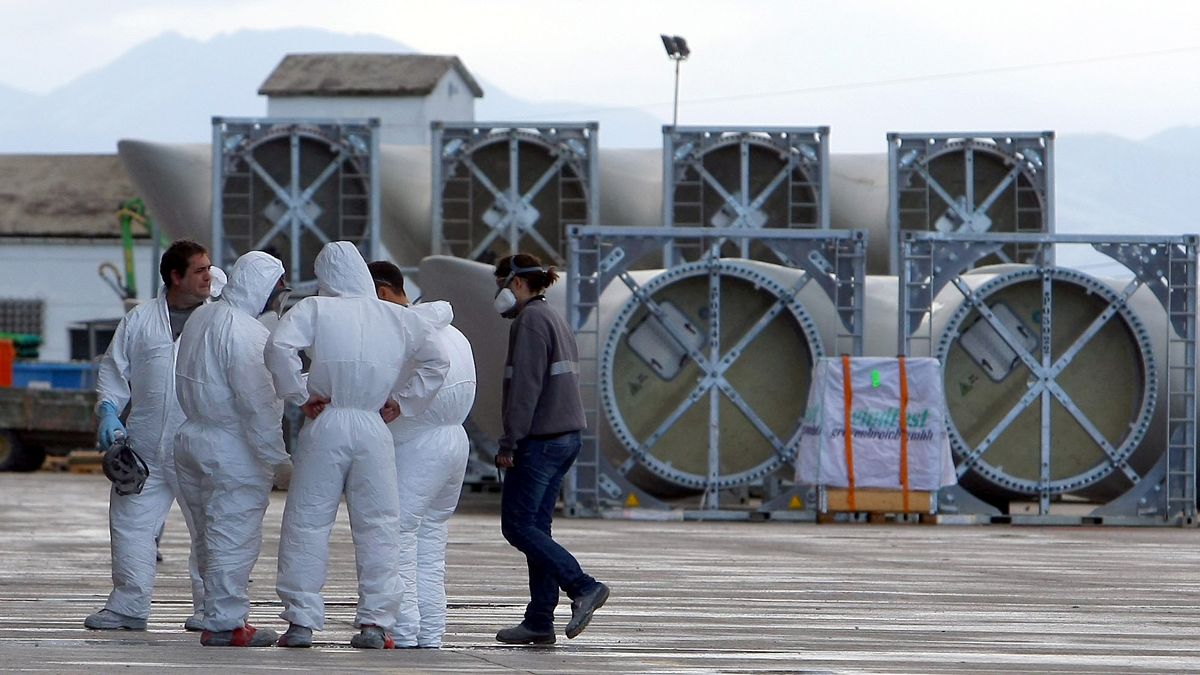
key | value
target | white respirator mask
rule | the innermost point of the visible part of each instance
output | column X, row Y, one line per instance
column 505, row 302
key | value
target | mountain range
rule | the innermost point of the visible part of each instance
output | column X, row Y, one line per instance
column 168, row 89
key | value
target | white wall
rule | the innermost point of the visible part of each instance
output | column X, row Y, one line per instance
column 450, row 101
column 403, row 121
column 63, row 275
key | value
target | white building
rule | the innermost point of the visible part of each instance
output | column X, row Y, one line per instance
column 405, row 91
column 58, row 224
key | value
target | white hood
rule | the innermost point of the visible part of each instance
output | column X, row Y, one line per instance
column 438, row 313
column 219, row 280
column 342, row 272
column 250, row 284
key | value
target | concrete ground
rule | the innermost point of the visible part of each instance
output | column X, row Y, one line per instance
column 687, row 597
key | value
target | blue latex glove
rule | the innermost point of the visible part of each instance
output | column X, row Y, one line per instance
column 109, row 425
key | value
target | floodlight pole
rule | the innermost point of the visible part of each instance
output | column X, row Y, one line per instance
column 675, row 106
column 677, row 50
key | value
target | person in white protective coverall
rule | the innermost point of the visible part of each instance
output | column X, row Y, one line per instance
column 217, row 280
column 362, row 352
column 431, row 462
column 138, row 370
column 228, row 450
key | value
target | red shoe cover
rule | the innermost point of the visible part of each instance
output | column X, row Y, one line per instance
column 243, row 636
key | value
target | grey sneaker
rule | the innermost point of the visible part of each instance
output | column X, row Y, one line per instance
column 194, row 623
column 246, row 636
column 106, row 619
column 520, row 634
column 583, row 606
column 372, row 637
column 296, row 636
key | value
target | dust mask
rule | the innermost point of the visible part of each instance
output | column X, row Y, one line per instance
column 505, row 302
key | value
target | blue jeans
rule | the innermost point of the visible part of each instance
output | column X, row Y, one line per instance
column 526, row 510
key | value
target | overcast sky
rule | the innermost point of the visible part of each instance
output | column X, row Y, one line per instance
column 864, row 68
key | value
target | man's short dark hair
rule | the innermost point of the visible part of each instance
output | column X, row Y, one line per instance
column 387, row 274
column 176, row 258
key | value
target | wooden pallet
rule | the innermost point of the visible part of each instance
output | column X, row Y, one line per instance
column 56, row 463
column 84, row 461
column 876, row 503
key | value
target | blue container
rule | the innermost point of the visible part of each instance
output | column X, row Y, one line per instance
column 47, row 375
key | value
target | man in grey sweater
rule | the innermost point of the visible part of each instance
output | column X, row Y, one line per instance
column 543, row 416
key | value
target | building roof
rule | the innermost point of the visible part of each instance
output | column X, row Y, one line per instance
column 63, row 196
column 357, row 74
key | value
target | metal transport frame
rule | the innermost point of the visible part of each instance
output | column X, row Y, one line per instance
column 802, row 151
column 353, row 154
column 1167, row 267
column 599, row 256
column 1027, row 159
column 572, row 153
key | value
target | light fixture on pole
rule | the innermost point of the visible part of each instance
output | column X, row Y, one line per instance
column 677, row 50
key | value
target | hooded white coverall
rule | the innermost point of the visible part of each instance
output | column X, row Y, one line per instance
column 228, row 449
column 217, row 285
column 139, row 369
column 362, row 351
column 431, row 461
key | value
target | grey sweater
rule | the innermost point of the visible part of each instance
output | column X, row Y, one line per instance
column 541, row 376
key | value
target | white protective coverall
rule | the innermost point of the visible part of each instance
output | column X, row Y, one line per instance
column 362, row 351
column 431, row 461
column 227, row 450
column 139, row 369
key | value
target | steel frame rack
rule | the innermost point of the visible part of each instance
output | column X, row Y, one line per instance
column 354, row 141
column 512, row 218
column 598, row 256
column 1167, row 267
column 684, row 150
column 1027, row 154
